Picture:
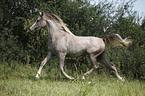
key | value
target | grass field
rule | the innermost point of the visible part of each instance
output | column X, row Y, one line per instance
column 18, row 80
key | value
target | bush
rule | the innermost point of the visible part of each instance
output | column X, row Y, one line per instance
column 11, row 49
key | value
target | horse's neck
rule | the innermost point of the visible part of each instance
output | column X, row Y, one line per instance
column 53, row 32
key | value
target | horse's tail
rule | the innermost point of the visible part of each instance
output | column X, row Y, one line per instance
column 116, row 40
column 63, row 24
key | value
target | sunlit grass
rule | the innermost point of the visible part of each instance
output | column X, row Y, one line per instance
column 17, row 80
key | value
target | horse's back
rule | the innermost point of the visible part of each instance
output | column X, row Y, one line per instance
column 92, row 41
column 79, row 45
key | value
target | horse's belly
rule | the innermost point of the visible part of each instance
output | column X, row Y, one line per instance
column 76, row 54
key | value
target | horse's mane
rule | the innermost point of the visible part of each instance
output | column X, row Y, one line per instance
column 59, row 21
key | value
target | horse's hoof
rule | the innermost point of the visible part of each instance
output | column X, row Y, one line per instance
column 36, row 78
column 123, row 80
column 83, row 78
column 71, row 78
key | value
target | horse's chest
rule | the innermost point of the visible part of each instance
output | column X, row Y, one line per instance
column 56, row 48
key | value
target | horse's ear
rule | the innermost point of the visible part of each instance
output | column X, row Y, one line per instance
column 41, row 13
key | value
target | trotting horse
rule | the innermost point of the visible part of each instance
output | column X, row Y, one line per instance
column 62, row 43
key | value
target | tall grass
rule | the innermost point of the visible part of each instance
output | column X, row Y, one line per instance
column 17, row 79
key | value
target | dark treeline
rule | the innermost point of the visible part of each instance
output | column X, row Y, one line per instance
column 18, row 43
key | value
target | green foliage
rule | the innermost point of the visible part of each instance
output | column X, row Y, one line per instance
column 19, row 43
column 10, row 47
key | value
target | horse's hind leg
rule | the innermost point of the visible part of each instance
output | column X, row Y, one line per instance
column 102, row 59
column 42, row 64
column 93, row 61
column 61, row 60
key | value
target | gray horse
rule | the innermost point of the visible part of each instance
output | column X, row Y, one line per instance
column 62, row 43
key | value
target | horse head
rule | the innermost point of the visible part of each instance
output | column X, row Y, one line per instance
column 40, row 22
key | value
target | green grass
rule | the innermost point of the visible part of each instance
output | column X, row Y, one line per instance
column 18, row 80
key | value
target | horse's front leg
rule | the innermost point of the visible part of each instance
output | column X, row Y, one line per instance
column 61, row 61
column 42, row 64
